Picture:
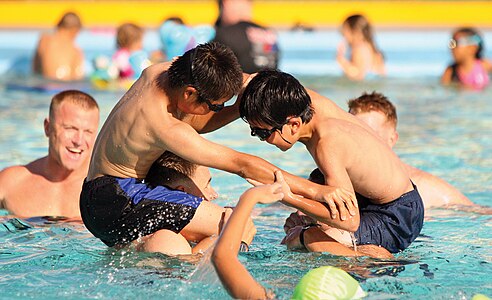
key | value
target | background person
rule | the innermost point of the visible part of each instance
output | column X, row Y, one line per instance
column 51, row 185
column 364, row 57
column 380, row 114
column 255, row 46
column 469, row 68
column 57, row 56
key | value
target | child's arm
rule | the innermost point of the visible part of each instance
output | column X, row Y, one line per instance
column 353, row 69
column 234, row 276
column 487, row 64
column 184, row 141
column 319, row 211
column 446, row 76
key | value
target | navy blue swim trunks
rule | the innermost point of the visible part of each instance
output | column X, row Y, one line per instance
column 393, row 225
column 120, row 210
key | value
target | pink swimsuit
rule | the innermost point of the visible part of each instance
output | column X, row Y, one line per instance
column 478, row 78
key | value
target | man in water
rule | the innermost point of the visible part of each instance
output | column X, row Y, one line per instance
column 57, row 57
column 380, row 114
column 51, row 185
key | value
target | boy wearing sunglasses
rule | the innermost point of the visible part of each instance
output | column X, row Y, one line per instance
column 166, row 109
column 281, row 112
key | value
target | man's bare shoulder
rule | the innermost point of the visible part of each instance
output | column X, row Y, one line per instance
column 11, row 178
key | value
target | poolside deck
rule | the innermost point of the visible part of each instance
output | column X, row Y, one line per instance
column 316, row 13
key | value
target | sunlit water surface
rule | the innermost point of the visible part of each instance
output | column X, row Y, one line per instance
column 445, row 131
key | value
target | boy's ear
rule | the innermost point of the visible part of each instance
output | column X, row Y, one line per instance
column 180, row 188
column 188, row 91
column 295, row 124
column 46, row 127
column 394, row 138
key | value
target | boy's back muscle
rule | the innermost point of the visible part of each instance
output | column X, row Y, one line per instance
column 374, row 170
column 128, row 143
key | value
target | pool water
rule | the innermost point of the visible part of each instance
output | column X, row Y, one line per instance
column 446, row 131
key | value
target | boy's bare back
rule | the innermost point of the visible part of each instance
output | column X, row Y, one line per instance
column 129, row 141
column 342, row 142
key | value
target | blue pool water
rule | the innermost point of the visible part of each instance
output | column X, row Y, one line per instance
column 445, row 131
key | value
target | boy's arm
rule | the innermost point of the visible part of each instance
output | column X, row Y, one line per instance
column 181, row 139
column 234, row 276
column 332, row 163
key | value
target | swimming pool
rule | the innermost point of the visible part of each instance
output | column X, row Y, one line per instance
column 442, row 130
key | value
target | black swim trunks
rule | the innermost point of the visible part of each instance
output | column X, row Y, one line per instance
column 393, row 225
column 120, row 210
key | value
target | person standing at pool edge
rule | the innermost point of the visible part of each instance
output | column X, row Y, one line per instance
column 51, row 185
column 165, row 110
column 57, row 56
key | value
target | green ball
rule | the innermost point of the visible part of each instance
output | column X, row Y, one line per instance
column 328, row 283
column 480, row 297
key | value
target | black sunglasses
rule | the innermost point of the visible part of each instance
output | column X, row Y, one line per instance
column 263, row 134
column 213, row 107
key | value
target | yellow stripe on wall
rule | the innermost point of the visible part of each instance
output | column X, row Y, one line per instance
column 26, row 14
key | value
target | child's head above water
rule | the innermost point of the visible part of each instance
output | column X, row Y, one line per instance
column 211, row 68
column 129, row 36
column 272, row 97
column 466, row 39
column 357, row 26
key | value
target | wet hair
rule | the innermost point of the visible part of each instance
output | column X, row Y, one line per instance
column 361, row 24
column 170, row 169
column 472, row 32
column 273, row 96
column 317, row 177
column 211, row 68
column 69, row 20
column 85, row 101
column 127, row 34
column 374, row 102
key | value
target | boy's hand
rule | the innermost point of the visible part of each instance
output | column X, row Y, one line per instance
column 298, row 219
column 279, row 179
column 292, row 239
column 339, row 201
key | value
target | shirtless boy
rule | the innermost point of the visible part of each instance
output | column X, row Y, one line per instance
column 57, row 56
column 165, row 110
column 280, row 111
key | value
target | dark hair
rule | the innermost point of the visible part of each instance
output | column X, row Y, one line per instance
column 69, row 20
column 374, row 102
column 169, row 169
column 360, row 23
column 273, row 96
column 317, row 177
column 76, row 97
column 211, row 68
column 469, row 31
